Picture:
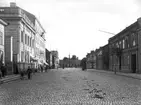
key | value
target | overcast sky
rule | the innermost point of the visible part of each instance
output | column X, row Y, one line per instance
column 72, row 26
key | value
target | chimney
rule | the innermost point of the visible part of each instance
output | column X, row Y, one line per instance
column 12, row 4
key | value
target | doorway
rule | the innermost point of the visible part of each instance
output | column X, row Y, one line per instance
column 133, row 63
column 119, row 62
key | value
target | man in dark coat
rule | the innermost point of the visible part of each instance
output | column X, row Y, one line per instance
column 3, row 70
column 29, row 71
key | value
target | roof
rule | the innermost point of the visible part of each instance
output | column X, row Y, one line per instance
column 30, row 16
column 124, row 30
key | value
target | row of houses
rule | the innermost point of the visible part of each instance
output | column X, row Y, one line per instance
column 22, row 40
column 122, row 53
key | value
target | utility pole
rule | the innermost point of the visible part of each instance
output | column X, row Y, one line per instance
column 112, row 34
column 107, row 32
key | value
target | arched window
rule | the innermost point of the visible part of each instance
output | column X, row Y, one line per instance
column 133, row 39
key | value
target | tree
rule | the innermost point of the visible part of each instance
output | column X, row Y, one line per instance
column 74, row 57
column 65, row 58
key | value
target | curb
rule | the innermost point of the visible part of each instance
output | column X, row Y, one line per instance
column 119, row 73
column 10, row 79
column 129, row 76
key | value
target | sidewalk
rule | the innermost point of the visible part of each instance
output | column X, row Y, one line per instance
column 9, row 78
column 130, row 75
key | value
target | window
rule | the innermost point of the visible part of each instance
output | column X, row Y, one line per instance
column 22, row 36
column 1, row 38
column 126, row 42
column 117, row 45
column 25, row 39
column 30, row 42
column 22, row 56
column 120, row 44
column 128, row 59
column 133, row 40
column 123, row 43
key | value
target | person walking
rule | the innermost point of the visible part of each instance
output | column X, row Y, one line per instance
column 29, row 71
column 3, row 70
column 22, row 74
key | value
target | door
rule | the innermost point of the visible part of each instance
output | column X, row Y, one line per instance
column 133, row 63
column 119, row 62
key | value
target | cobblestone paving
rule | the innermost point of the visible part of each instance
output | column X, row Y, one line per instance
column 72, row 87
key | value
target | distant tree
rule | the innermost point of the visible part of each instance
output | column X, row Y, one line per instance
column 74, row 57
column 65, row 58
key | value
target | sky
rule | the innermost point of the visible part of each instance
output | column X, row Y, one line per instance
column 72, row 26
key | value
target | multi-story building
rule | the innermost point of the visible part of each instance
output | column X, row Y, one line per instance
column 51, row 62
column 105, row 55
column 48, row 58
column 91, row 60
column 125, row 49
column 99, row 58
column 28, row 37
column 55, row 59
column 102, row 58
column 2, row 38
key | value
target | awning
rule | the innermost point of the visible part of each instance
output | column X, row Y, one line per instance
column 33, row 59
column 46, row 63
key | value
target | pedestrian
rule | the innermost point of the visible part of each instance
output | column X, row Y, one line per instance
column 29, row 71
column 3, row 70
column 22, row 75
column 0, row 74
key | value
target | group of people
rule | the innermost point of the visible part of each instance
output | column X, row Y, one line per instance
column 29, row 72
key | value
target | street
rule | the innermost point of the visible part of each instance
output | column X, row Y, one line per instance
column 72, row 86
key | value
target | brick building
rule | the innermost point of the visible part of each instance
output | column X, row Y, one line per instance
column 25, row 43
column 102, row 57
column 55, row 59
column 91, row 60
column 125, row 49
column 99, row 58
column 48, row 58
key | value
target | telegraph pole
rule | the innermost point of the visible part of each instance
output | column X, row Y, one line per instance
column 107, row 32
column 112, row 34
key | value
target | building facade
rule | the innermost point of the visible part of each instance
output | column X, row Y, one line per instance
column 25, row 38
column 2, row 44
column 125, row 49
column 102, row 58
column 55, row 59
column 91, row 60
column 99, row 58
column 48, row 58
column 70, row 62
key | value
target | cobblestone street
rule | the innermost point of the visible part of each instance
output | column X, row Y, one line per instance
column 72, row 87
